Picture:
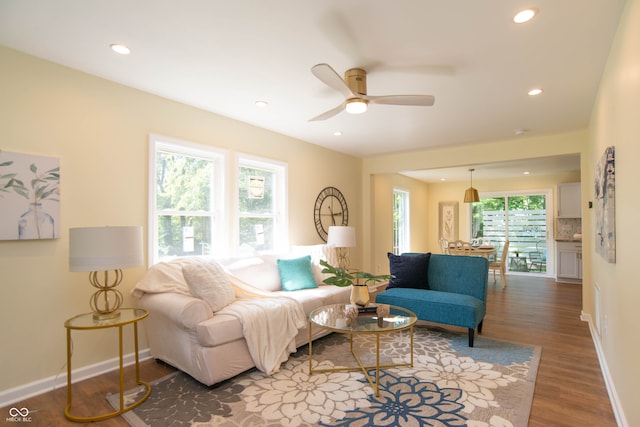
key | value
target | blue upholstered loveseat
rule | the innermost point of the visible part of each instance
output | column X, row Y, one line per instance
column 454, row 291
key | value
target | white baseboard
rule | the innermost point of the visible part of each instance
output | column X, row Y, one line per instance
column 618, row 412
column 17, row 394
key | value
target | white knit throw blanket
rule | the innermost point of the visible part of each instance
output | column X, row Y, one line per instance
column 269, row 324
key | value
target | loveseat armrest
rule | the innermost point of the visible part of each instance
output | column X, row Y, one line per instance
column 184, row 311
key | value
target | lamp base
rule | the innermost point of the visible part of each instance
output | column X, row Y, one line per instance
column 106, row 316
column 343, row 257
column 107, row 300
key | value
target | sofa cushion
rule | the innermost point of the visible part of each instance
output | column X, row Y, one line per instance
column 164, row 277
column 296, row 274
column 318, row 253
column 220, row 329
column 208, row 281
column 409, row 270
column 436, row 306
column 259, row 271
column 317, row 297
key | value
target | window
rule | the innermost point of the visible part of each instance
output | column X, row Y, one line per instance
column 261, row 218
column 525, row 219
column 400, row 221
column 185, row 200
column 189, row 214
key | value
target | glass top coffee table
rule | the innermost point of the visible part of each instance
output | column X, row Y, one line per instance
column 335, row 318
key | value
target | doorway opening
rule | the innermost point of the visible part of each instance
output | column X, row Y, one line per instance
column 524, row 218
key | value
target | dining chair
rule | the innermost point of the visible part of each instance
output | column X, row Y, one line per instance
column 460, row 247
column 501, row 265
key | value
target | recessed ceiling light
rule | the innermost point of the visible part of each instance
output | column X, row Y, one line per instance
column 520, row 131
column 535, row 91
column 525, row 15
column 526, row 173
column 443, row 179
column 261, row 104
column 121, row 49
column 337, row 133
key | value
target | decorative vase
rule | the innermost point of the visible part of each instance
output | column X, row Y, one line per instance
column 35, row 224
column 360, row 295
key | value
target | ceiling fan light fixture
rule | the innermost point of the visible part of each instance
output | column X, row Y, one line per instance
column 356, row 106
column 471, row 194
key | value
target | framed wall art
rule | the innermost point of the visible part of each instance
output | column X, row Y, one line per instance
column 448, row 220
column 29, row 197
column 605, row 196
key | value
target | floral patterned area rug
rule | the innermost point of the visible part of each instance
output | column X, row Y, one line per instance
column 449, row 384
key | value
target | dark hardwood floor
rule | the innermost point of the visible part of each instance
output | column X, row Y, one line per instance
column 570, row 390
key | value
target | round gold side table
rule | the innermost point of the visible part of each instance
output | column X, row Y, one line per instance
column 88, row 322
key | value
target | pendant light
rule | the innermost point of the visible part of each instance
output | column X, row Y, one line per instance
column 471, row 194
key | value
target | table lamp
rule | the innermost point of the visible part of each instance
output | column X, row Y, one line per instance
column 105, row 249
column 342, row 238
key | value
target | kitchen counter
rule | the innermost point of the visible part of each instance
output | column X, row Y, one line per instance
column 568, row 240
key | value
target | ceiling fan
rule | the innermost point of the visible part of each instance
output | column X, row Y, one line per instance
column 354, row 89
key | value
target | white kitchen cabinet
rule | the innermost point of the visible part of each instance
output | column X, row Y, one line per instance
column 569, row 205
column 569, row 262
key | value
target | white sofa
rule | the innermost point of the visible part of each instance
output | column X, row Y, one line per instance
column 183, row 331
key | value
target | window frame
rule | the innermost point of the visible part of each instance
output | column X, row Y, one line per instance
column 217, row 211
column 403, row 241
column 280, row 216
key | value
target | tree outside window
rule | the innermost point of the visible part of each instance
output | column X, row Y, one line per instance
column 261, row 205
column 186, row 189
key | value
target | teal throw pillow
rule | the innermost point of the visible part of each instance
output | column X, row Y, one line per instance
column 296, row 274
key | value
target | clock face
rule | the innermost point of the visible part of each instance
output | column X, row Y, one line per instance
column 330, row 209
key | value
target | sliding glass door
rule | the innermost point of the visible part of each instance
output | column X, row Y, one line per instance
column 522, row 218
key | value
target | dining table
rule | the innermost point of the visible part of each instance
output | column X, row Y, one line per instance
column 485, row 251
column 481, row 250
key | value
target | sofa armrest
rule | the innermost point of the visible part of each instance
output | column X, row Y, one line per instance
column 182, row 310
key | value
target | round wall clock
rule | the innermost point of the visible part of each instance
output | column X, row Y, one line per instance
column 330, row 209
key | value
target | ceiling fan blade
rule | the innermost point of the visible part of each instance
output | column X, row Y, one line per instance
column 328, row 114
column 328, row 76
column 419, row 100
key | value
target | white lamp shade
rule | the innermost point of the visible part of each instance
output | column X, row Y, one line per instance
column 341, row 236
column 105, row 248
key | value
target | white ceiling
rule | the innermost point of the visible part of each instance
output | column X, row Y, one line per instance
column 222, row 56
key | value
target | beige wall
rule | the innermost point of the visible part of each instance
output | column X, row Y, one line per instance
column 382, row 207
column 444, row 192
column 375, row 168
column 615, row 121
column 99, row 131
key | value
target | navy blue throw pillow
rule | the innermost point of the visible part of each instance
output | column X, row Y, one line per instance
column 409, row 270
